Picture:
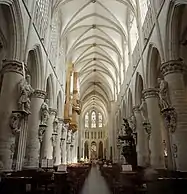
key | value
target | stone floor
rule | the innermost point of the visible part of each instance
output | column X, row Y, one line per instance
column 95, row 183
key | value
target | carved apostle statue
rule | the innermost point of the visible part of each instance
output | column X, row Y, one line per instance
column 132, row 122
column 163, row 94
column 64, row 131
column 69, row 133
column 44, row 112
column 26, row 91
column 143, row 110
column 55, row 125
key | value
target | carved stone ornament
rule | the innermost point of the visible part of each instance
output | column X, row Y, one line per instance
column 12, row 149
column 41, row 132
column 52, row 111
column 54, row 139
column 39, row 94
column 26, row 91
column 170, row 119
column 69, row 133
column 55, row 125
column 173, row 66
column 15, row 121
column 13, row 66
column 44, row 112
column 147, row 127
column 64, row 133
column 150, row 93
column 175, row 150
column 132, row 122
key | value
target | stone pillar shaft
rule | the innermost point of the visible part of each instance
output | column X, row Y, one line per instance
column 22, row 144
column 57, row 147
column 173, row 72
column 12, row 74
column 75, row 98
column 33, row 144
column 141, row 140
column 63, row 145
column 67, row 102
column 156, row 146
column 68, row 150
column 47, row 147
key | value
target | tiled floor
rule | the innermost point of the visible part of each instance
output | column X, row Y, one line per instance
column 95, row 183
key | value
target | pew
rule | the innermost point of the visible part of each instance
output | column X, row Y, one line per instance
column 45, row 181
column 76, row 176
column 138, row 182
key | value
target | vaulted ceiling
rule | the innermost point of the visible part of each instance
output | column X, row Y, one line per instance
column 95, row 36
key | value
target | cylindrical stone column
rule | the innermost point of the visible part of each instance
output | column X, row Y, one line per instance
column 33, row 143
column 141, row 146
column 63, row 144
column 68, row 146
column 12, row 74
column 154, row 117
column 71, row 153
column 57, row 150
column 68, row 150
column 173, row 72
column 47, row 145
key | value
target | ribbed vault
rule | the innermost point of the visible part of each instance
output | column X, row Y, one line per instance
column 94, row 36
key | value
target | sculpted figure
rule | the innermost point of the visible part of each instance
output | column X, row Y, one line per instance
column 64, row 133
column 143, row 110
column 44, row 111
column 69, row 136
column 163, row 94
column 132, row 122
column 26, row 91
column 55, row 123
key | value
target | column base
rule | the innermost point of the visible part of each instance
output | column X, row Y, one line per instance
column 157, row 162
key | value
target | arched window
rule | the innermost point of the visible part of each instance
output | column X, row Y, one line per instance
column 86, row 120
column 93, row 121
column 100, row 120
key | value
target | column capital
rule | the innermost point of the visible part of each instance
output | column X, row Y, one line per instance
column 136, row 109
column 150, row 93
column 173, row 66
column 52, row 111
column 61, row 120
column 39, row 94
column 13, row 66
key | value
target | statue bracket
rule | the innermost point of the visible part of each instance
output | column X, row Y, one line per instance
column 16, row 119
column 41, row 132
column 147, row 127
column 54, row 138
column 170, row 119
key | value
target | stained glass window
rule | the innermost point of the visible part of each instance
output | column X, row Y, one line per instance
column 86, row 120
column 100, row 120
column 93, row 121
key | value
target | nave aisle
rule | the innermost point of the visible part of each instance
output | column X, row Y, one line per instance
column 95, row 183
